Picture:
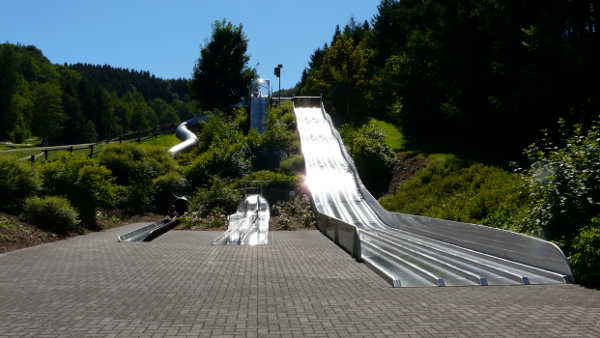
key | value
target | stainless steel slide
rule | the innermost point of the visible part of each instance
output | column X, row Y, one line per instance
column 409, row 250
column 150, row 231
column 249, row 225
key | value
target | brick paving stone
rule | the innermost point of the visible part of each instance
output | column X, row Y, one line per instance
column 300, row 285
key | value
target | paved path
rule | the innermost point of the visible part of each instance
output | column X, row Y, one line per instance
column 299, row 285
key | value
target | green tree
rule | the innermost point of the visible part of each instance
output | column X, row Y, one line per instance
column 83, row 181
column 8, row 87
column 221, row 76
column 344, row 77
column 48, row 114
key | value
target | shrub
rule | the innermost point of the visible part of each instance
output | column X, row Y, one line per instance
column 274, row 186
column 164, row 188
column 228, row 160
column 18, row 180
column 293, row 165
column 51, row 213
column 20, row 134
column 297, row 212
column 374, row 159
column 218, row 128
column 219, row 193
column 83, row 181
column 131, row 163
column 135, row 167
column 564, row 182
column 453, row 189
column 585, row 258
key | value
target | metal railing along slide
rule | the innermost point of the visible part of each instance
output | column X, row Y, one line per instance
column 249, row 225
column 410, row 250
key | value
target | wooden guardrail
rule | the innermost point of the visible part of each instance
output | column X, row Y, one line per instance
column 139, row 136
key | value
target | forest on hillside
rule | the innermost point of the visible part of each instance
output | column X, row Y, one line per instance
column 81, row 102
column 482, row 74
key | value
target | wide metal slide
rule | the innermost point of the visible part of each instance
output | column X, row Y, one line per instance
column 409, row 250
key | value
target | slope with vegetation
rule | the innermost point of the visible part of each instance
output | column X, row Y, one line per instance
column 70, row 193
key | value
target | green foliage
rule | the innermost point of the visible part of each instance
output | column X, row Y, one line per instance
column 373, row 157
column 165, row 141
column 217, row 193
column 164, row 188
column 393, row 137
column 297, row 212
column 456, row 71
column 585, row 258
column 48, row 115
column 216, row 128
column 87, row 184
column 275, row 186
column 457, row 190
column 135, row 167
column 131, row 163
column 18, row 180
column 221, row 76
column 564, row 182
column 293, row 165
column 51, row 213
column 224, row 159
column 279, row 141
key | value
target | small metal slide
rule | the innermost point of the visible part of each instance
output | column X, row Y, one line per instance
column 153, row 230
column 411, row 250
column 249, row 225
column 150, row 231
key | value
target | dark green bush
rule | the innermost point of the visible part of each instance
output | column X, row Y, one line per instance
column 218, row 193
column 564, row 182
column 131, row 163
column 215, row 127
column 227, row 160
column 275, row 186
column 18, row 180
column 87, row 184
column 374, row 159
column 20, row 134
column 297, row 212
column 293, row 165
column 51, row 213
column 164, row 188
column 585, row 258
column 135, row 167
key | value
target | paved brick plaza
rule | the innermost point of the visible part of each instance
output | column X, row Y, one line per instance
column 299, row 285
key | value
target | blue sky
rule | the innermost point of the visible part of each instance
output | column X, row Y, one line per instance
column 164, row 37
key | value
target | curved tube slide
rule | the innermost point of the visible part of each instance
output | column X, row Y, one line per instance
column 409, row 250
column 249, row 225
column 183, row 133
